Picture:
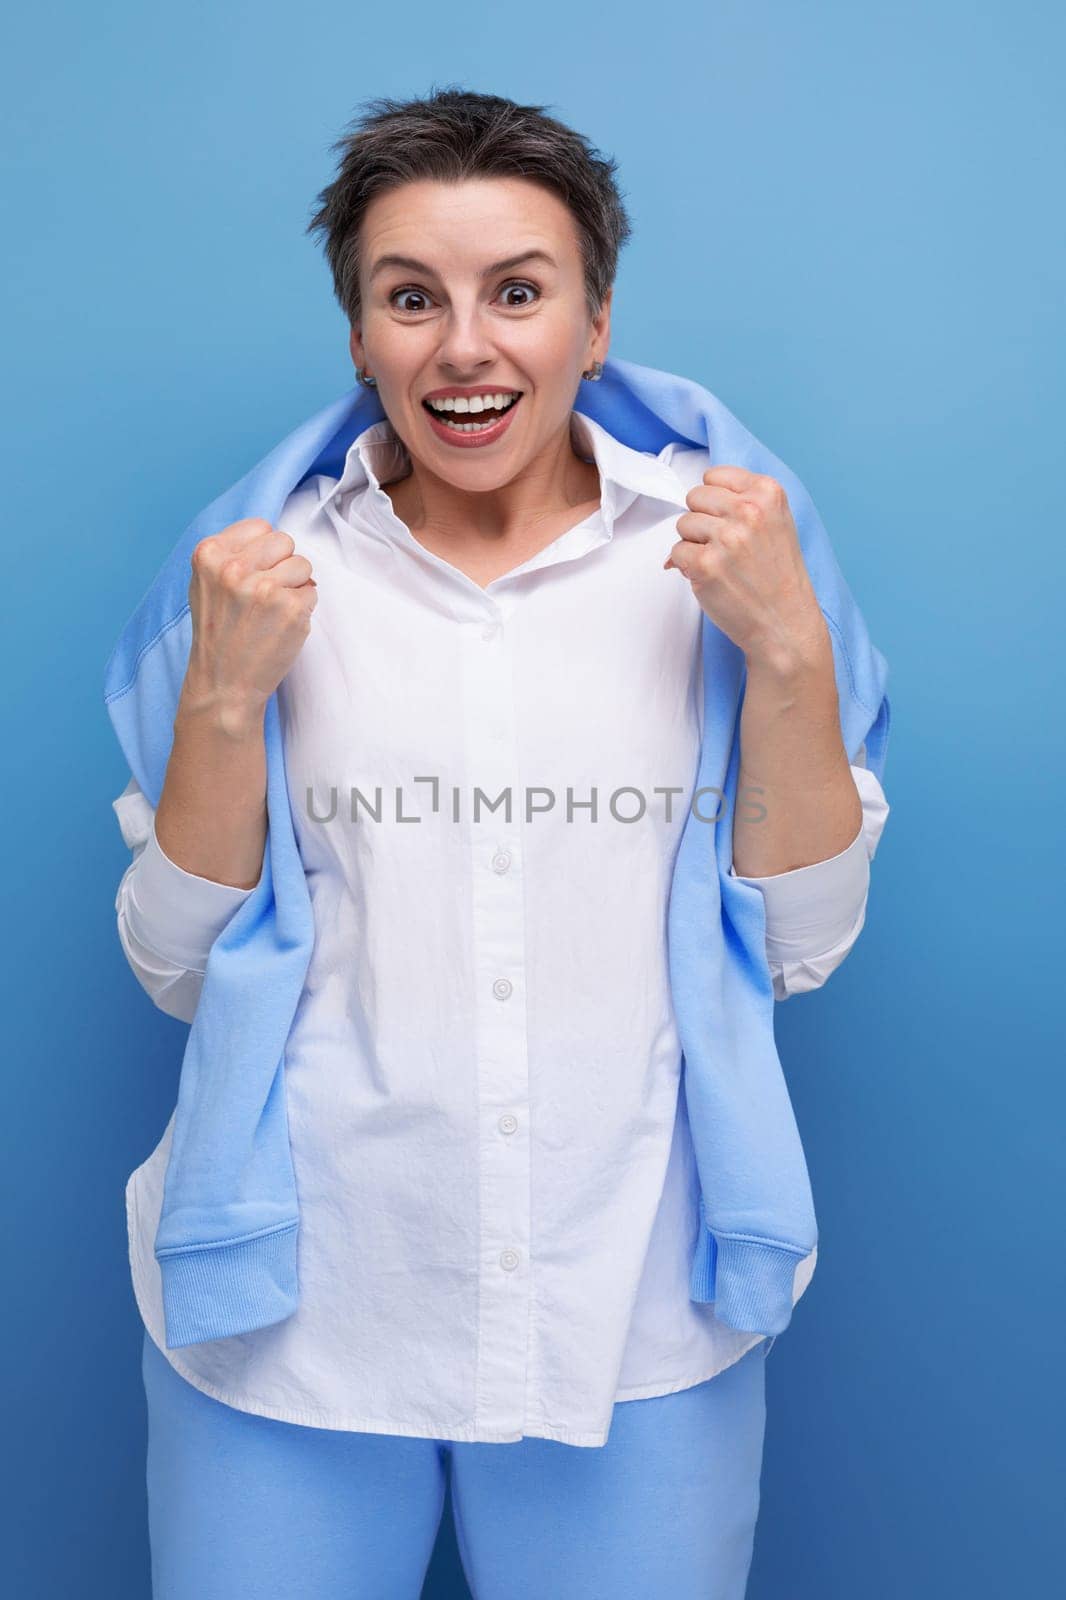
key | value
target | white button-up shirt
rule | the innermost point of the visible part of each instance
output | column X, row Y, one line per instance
column 498, row 1193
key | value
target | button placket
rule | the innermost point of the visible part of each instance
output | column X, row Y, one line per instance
column 501, row 1050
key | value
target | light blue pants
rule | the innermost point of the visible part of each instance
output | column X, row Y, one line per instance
column 242, row 1505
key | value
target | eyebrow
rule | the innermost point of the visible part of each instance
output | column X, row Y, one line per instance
column 409, row 264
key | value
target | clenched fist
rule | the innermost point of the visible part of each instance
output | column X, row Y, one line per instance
column 251, row 599
column 741, row 553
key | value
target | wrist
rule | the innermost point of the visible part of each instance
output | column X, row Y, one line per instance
column 802, row 653
column 235, row 714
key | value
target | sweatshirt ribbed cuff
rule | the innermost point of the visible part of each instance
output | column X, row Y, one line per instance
column 215, row 1290
column 750, row 1282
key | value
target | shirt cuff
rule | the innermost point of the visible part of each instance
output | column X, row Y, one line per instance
column 177, row 913
column 814, row 908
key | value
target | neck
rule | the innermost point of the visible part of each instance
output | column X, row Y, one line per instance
column 556, row 482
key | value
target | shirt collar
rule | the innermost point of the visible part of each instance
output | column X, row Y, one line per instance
column 378, row 455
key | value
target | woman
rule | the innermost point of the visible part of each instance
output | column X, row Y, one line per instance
column 481, row 633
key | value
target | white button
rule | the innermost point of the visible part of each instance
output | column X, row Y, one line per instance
column 489, row 633
column 508, row 1260
column 507, row 1123
column 501, row 861
column 502, row 988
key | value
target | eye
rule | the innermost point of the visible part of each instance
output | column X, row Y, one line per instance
column 517, row 284
column 420, row 294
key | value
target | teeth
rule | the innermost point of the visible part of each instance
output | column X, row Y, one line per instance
column 467, row 427
column 474, row 403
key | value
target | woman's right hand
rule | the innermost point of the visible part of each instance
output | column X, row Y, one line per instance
column 251, row 599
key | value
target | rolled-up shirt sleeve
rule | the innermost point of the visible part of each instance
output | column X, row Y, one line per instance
column 168, row 918
column 814, row 914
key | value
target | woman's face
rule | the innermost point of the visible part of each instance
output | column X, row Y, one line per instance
column 449, row 316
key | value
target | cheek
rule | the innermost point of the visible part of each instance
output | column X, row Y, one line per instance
column 397, row 354
column 546, row 347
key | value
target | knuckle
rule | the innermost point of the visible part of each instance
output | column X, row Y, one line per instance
column 205, row 552
column 262, row 590
column 230, row 571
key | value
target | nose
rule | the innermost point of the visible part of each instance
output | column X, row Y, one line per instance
column 465, row 345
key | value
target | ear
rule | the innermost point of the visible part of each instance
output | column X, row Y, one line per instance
column 601, row 329
column 355, row 346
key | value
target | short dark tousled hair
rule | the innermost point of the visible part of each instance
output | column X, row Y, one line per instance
column 453, row 134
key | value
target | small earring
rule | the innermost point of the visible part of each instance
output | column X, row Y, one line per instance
column 594, row 373
column 365, row 378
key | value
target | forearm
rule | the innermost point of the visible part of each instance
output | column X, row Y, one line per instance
column 212, row 817
column 797, row 802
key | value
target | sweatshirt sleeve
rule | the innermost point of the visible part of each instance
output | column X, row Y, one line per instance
column 168, row 918
column 814, row 914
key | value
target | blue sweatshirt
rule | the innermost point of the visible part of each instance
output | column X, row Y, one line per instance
column 227, row 1242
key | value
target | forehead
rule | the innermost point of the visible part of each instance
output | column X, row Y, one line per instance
column 476, row 217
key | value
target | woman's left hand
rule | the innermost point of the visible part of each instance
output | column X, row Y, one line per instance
column 741, row 553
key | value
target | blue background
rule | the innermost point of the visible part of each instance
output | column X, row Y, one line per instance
column 849, row 225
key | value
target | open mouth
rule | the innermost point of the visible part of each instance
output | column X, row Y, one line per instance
column 471, row 422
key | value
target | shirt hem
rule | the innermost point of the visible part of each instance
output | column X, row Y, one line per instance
column 651, row 1391
column 594, row 1438
column 590, row 1438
